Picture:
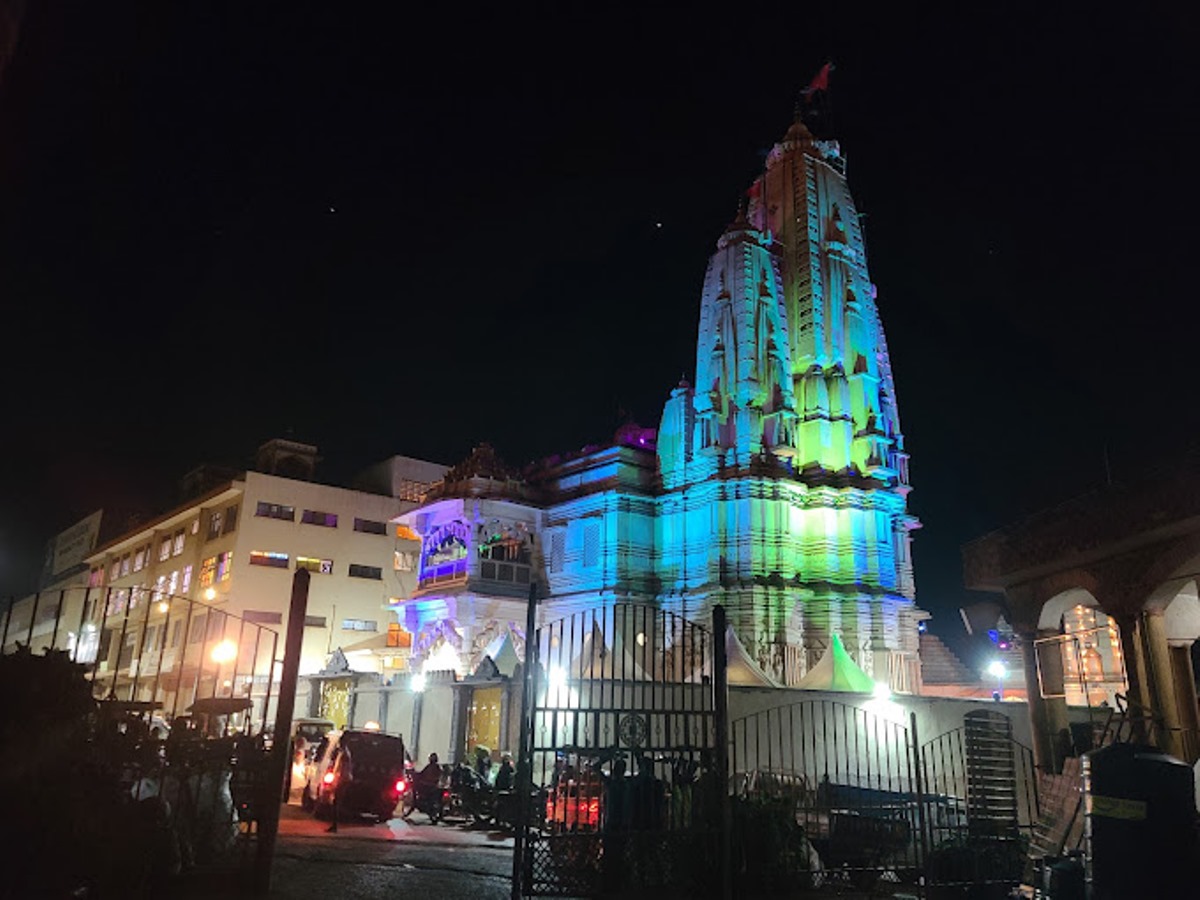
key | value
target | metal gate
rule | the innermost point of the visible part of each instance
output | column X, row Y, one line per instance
column 983, row 801
column 827, row 797
column 621, row 751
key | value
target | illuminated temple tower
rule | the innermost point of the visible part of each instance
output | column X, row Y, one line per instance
column 775, row 486
column 783, row 469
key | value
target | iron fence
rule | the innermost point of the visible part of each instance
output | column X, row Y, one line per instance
column 829, row 796
column 982, row 792
column 149, row 647
column 179, row 743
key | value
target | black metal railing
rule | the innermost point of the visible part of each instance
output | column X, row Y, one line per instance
column 829, row 796
column 149, row 647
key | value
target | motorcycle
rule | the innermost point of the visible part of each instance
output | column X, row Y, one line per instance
column 431, row 799
column 474, row 797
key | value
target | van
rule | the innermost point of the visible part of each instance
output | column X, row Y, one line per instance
column 360, row 772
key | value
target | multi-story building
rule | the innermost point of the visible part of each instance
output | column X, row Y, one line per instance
column 231, row 552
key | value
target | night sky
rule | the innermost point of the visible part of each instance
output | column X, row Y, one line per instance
column 410, row 234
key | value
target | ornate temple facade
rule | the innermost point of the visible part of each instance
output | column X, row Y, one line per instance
column 776, row 485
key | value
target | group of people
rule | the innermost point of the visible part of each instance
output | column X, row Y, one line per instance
column 430, row 775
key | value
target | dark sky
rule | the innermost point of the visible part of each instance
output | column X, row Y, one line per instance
column 409, row 233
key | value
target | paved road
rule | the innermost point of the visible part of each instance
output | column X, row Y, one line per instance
column 368, row 860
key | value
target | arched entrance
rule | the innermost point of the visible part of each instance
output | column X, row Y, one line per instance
column 1090, row 661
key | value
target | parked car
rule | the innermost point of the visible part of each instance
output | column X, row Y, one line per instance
column 360, row 771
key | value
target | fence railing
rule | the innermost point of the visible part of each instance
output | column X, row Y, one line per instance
column 164, row 652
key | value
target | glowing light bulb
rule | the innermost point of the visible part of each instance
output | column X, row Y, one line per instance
column 224, row 652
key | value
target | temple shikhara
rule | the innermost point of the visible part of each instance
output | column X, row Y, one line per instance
column 775, row 485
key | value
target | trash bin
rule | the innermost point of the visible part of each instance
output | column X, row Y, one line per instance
column 1140, row 823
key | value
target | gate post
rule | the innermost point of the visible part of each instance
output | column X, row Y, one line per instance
column 277, row 765
column 918, row 765
column 721, row 710
column 524, row 751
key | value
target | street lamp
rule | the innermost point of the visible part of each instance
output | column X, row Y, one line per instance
column 224, row 652
column 998, row 670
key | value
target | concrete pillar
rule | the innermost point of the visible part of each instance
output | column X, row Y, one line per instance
column 1039, row 716
column 1162, row 683
column 1135, row 670
column 1185, row 693
column 384, row 694
column 1054, row 700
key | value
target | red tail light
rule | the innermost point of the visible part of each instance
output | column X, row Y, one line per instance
column 328, row 778
column 400, row 786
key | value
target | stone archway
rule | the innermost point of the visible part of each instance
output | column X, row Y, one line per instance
column 1172, row 620
column 1088, row 642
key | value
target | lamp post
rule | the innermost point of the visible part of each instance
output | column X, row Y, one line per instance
column 998, row 670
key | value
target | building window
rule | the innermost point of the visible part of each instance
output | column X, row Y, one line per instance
column 370, row 526
column 591, row 545
column 208, row 572
column 398, row 637
column 96, row 577
column 444, row 554
column 196, row 631
column 374, row 572
column 230, row 519
column 324, row 519
column 176, row 632
column 558, row 546
column 275, row 511
column 125, row 564
column 359, row 625
column 314, row 621
column 173, row 583
column 177, row 543
column 404, row 562
column 216, row 568
column 187, row 580
column 266, row 558
column 320, row 566
column 505, row 556
column 139, row 559
column 263, row 617
column 115, row 571
column 215, row 520
column 195, row 526
column 404, row 533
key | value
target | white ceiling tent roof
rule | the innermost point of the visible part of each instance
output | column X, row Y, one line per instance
column 837, row 671
column 596, row 659
column 503, row 653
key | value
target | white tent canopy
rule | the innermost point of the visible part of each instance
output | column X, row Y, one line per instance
column 596, row 659
column 503, row 653
column 837, row 671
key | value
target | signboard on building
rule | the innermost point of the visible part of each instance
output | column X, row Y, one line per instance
column 70, row 548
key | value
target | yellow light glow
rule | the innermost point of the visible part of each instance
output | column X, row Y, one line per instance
column 224, row 652
column 210, row 595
